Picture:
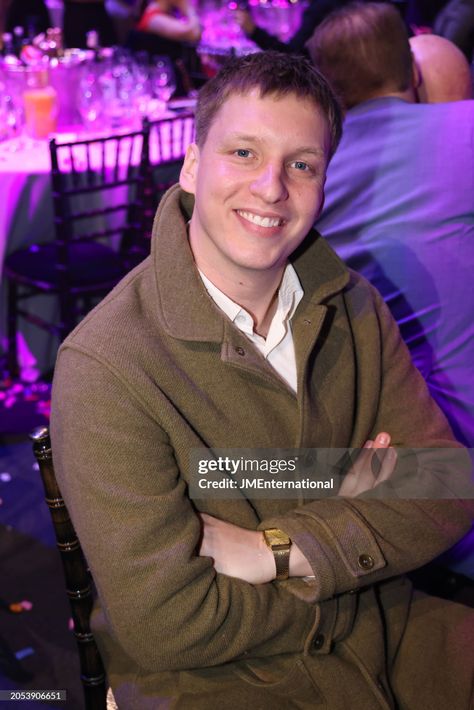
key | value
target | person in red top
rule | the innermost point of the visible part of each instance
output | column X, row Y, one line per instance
column 172, row 19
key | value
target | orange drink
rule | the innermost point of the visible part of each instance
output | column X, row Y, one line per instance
column 40, row 111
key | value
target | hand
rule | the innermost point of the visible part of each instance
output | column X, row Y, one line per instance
column 245, row 22
column 236, row 551
column 363, row 475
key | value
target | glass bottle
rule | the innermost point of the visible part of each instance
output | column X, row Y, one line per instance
column 40, row 103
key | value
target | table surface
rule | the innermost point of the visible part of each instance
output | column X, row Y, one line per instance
column 25, row 155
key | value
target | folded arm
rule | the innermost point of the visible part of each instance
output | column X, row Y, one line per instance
column 353, row 542
column 243, row 553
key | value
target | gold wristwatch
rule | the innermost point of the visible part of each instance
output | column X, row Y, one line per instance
column 280, row 544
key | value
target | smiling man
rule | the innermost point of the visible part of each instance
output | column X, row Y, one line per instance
column 258, row 185
column 243, row 330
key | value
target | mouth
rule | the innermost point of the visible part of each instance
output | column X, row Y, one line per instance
column 259, row 220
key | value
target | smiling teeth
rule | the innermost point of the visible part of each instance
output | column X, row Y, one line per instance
column 261, row 221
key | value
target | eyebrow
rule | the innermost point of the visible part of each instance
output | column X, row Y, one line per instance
column 249, row 138
column 311, row 150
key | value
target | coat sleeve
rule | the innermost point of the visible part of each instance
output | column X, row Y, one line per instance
column 354, row 542
column 164, row 605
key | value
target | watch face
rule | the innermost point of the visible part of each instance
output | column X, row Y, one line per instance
column 275, row 537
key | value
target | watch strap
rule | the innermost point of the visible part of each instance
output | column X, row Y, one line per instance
column 280, row 545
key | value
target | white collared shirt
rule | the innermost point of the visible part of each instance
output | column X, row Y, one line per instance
column 278, row 347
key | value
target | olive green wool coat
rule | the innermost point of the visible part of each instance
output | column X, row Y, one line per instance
column 155, row 371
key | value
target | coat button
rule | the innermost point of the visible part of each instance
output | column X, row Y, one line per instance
column 318, row 641
column 365, row 562
column 240, row 351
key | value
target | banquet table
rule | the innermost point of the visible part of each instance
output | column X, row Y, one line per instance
column 26, row 217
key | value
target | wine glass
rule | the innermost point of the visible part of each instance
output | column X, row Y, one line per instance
column 90, row 101
column 12, row 116
column 163, row 80
column 142, row 93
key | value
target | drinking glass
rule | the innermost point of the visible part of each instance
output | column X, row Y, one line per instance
column 163, row 80
column 90, row 101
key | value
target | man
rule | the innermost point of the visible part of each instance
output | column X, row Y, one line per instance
column 243, row 330
column 399, row 197
column 444, row 73
column 313, row 14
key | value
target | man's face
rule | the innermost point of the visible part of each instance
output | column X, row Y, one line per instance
column 258, row 183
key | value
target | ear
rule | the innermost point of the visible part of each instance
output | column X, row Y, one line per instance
column 189, row 171
column 416, row 76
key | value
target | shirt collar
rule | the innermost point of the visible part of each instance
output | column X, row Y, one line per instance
column 290, row 294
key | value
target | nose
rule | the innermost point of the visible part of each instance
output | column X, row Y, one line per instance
column 269, row 184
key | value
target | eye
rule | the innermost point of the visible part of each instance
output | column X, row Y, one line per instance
column 242, row 153
column 301, row 165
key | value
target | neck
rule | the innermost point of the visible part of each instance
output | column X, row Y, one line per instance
column 256, row 291
column 408, row 95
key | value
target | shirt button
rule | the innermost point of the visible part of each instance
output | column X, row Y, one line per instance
column 365, row 562
column 240, row 351
column 318, row 642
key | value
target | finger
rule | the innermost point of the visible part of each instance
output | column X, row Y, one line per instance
column 388, row 465
column 359, row 477
column 381, row 443
column 382, row 440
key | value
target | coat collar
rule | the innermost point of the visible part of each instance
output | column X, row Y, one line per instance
column 185, row 309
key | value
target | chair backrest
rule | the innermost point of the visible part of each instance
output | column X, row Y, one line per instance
column 170, row 137
column 168, row 141
column 99, row 190
column 79, row 585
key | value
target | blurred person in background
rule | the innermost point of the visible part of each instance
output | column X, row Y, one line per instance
column 312, row 16
column 444, row 73
column 82, row 16
column 171, row 19
column 125, row 15
column 399, row 197
column 169, row 28
column 452, row 19
column 399, row 203
column 456, row 22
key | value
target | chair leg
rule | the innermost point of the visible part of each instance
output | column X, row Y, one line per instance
column 12, row 330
